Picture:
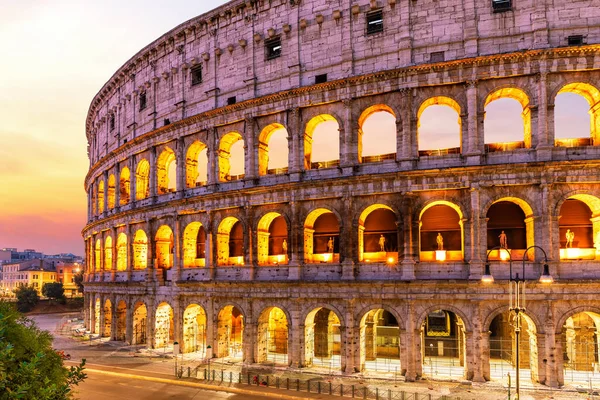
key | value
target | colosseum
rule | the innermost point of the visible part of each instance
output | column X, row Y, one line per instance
column 274, row 183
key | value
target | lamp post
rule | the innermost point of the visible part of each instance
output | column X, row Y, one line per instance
column 516, row 298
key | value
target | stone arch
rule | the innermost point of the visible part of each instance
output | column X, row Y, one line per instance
column 592, row 95
column 379, row 343
column 225, row 145
column 562, row 319
column 519, row 95
column 107, row 332
column 446, row 307
column 321, row 243
column 100, row 197
column 112, row 183
column 323, row 337
column 194, row 245
column 434, row 218
column 230, row 242
column 592, row 239
column 432, row 147
column 108, row 253
column 272, row 239
column 124, row 186
column 498, row 213
column 140, row 250
column 579, row 341
column 389, row 139
column 121, row 328
column 230, row 332
column 121, row 252
column 142, row 180
column 164, row 247
column 273, row 336
column 309, row 136
column 264, row 161
column 139, row 323
column 97, row 255
column 164, row 332
column 194, row 329
column 193, row 168
column 370, row 246
column 164, row 164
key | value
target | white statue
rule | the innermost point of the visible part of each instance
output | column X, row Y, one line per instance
column 440, row 241
column 503, row 241
column 381, row 243
column 569, row 236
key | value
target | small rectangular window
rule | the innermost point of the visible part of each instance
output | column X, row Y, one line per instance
column 501, row 5
column 321, row 78
column 196, row 75
column 273, row 48
column 437, row 56
column 575, row 40
column 374, row 22
column 112, row 122
column 231, row 100
column 143, row 102
column 166, row 121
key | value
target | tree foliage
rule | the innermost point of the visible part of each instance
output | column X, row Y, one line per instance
column 29, row 367
column 53, row 290
column 78, row 279
column 27, row 298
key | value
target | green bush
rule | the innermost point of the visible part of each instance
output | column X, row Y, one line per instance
column 27, row 298
column 53, row 290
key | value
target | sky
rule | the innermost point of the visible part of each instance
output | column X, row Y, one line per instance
column 56, row 55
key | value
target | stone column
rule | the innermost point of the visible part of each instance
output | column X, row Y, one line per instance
column 295, row 134
column 350, row 342
column 477, row 357
column 117, row 186
column 151, row 323
column 550, row 356
column 151, row 272
column 250, row 337
column 296, row 340
column 113, row 266
column 411, row 239
column 130, row 252
column 250, row 148
column 295, row 247
column 105, row 177
column 90, row 200
column 348, row 138
column 477, row 249
column 177, row 249
column 212, row 154
column 129, row 322
column 101, row 317
column 180, row 157
column 473, row 143
column 411, row 344
column 348, row 238
column 153, row 175
column 132, row 181
column 210, row 252
column 249, row 242
column 544, row 139
column 178, row 322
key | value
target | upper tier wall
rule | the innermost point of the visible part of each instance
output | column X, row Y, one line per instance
column 317, row 37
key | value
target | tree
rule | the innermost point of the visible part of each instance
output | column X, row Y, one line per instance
column 53, row 290
column 27, row 298
column 78, row 279
column 30, row 368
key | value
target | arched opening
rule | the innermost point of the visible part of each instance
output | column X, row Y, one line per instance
column 97, row 322
column 166, row 172
column 443, row 345
column 142, row 180
column 164, row 247
column 121, row 321
column 230, row 333
column 122, row 252
column 321, row 237
column 377, row 134
column 379, row 342
column 273, row 150
column 100, row 197
column 140, row 250
column 439, row 127
column 441, row 233
column 272, row 239
column 580, row 339
column 163, row 326
column 124, row 186
column 322, row 143
column 112, row 183
column 503, row 355
column 194, row 246
column 577, row 228
column 196, row 165
column 510, row 227
column 230, row 242
column 577, row 115
column 323, row 339
column 273, row 336
column 108, row 253
column 140, row 315
column 231, row 157
column 507, row 124
column 97, row 258
column 107, row 319
column 378, row 235
column 194, row 330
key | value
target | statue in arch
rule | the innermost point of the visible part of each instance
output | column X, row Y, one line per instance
column 381, row 243
column 440, row 241
column 284, row 246
column 330, row 244
column 570, row 236
column 503, row 240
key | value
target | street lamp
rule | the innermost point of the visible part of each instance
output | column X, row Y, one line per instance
column 516, row 298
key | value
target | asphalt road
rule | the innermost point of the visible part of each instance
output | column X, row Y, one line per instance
column 102, row 387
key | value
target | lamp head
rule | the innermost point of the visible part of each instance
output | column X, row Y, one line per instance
column 487, row 275
column 546, row 277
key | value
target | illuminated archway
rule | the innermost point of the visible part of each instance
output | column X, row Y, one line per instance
column 508, row 120
column 231, row 165
column 124, row 186
column 439, row 127
column 140, row 317
column 570, row 128
column 164, row 247
column 579, row 228
column 379, row 342
column 163, row 326
column 100, row 197
column 194, row 246
column 441, row 232
column 230, row 333
column 122, row 252
column 510, row 224
column 97, row 255
column 272, row 234
column 230, row 242
column 321, row 236
column 166, row 175
column 273, row 150
column 107, row 319
column 580, row 340
column 378, row 234
column 111, row 191
column 142, row 180
column 444, row 345
column 108, row 253
column 196, row 165
column 121, row 321
column 322, row 142
column 273, row 336
column 140, row 250
column 194, row 330
column 323, row 338
column 377, row 134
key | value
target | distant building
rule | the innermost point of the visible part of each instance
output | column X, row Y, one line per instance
column 65, row 273
column 5, row 256
column 27, row 273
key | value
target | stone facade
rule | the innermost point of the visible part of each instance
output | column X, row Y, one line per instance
column 156, row 249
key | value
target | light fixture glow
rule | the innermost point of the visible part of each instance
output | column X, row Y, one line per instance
column 440, row 255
